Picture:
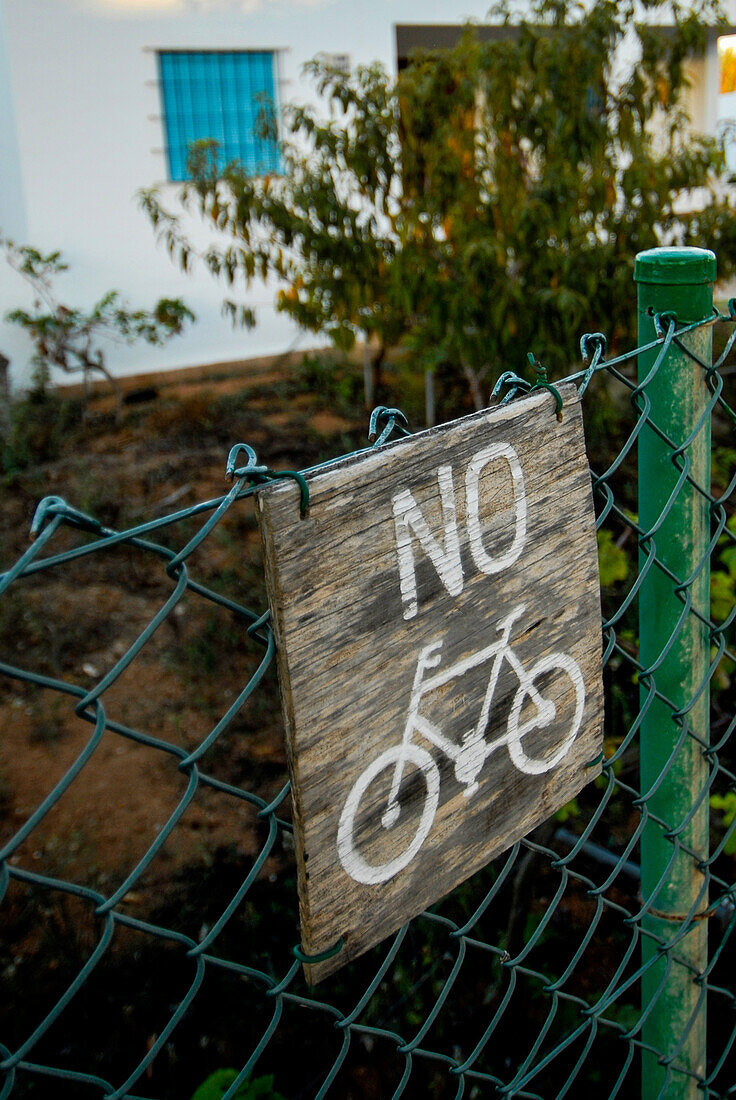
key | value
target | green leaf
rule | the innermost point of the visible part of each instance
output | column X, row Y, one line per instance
column 569, row 810
column 722, row 594
column 613, row 562
column 258, row 1088
column 728, row 557
column 215, row 1085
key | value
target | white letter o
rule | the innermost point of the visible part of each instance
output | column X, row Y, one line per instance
column 483, row 560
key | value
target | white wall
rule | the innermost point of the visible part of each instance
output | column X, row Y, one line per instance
column 12, row 210
column 84, row 133
column 89, row 133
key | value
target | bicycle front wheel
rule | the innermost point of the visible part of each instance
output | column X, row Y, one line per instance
column 354, row 863
column 568, row 682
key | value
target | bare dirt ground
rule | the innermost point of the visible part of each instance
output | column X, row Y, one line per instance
column 74, row 622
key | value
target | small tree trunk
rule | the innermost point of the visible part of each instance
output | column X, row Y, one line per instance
column 115, row 385
column 475, row 381
column 377, row 364
column 118, row 399
column 429, row 406
column 85, row 393
column 4, row 397
column 368, row 387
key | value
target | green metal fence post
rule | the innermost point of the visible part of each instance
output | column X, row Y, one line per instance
column 675, row 646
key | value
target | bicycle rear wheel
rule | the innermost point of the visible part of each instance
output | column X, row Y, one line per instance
column 531, row 765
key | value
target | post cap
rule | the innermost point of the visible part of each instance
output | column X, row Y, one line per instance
column 675, row 266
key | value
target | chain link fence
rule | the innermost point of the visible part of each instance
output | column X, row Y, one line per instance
column 526, row 981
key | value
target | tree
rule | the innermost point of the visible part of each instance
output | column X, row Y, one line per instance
column 331, row 229
column 71, row 338
column 490, row 198
column 564, row 171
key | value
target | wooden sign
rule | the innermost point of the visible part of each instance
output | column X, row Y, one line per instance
column 437, row 616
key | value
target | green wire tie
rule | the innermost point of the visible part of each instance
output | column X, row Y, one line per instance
column 543, row 383
column 385, row 420
column 276, row 475
column 260, row 475
column 321, row 956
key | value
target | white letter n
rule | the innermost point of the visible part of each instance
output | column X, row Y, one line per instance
column 446, row 559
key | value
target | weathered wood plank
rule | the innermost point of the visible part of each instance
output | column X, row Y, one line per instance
column 437, row 616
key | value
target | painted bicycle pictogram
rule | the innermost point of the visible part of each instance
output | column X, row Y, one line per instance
column 468, row 755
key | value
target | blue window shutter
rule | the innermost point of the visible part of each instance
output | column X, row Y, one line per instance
column 218, row 95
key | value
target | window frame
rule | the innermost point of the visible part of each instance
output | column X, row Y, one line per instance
column 188, row 120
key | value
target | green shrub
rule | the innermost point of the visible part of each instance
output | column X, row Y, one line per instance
column 217, row 1084
column 38, row 426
